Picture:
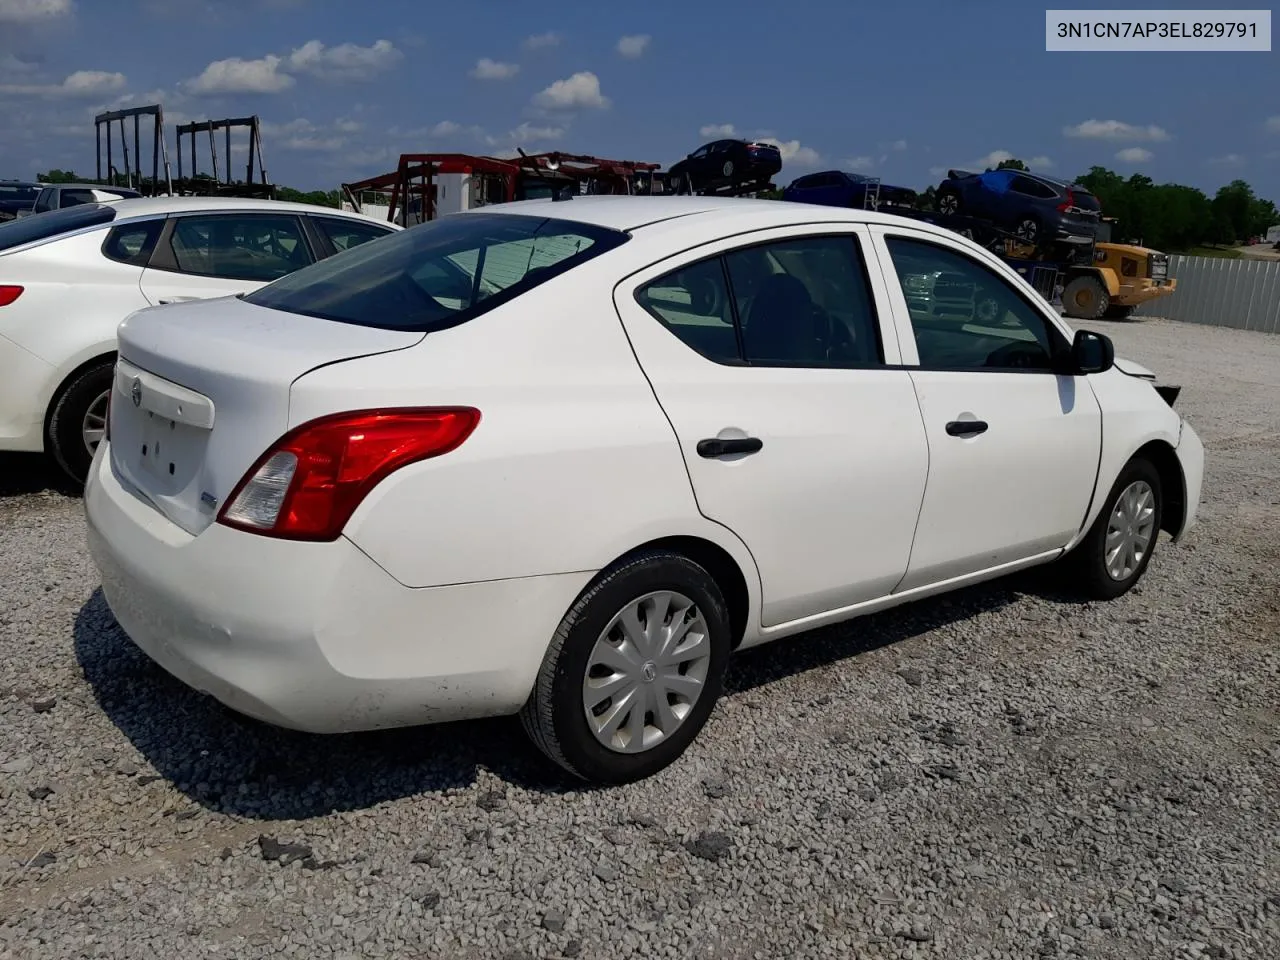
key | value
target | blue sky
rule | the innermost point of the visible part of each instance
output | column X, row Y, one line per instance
column 901, row 90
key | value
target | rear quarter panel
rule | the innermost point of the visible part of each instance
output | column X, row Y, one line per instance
column 572, row 465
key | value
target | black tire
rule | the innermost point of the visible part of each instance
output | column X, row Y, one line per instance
column 1085, row 298
column 64, row 433
column 1115, row 311
column 1088, row 563
column 554, row 716
column 947, row 198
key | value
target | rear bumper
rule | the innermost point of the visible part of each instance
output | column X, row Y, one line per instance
column 315, row 636
column 1190, row 452
column 24, row 380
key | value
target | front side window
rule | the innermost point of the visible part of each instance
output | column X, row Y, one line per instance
column 967, row 317
column 440, row 273
column 239, row 246
column 345, row 234
column 803, row 302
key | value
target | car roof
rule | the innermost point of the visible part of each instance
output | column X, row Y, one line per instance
column 633, row 213
column 87, row 186
column 156, row 206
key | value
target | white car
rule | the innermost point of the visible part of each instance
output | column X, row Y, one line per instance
column 561, row 458
column 68, row 277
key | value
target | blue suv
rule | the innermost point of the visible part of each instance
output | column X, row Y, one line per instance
column 1034, row 207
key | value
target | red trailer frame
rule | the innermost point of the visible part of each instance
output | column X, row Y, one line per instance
column 504, row 180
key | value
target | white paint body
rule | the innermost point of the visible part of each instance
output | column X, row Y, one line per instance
column 74, row 298
column 440, row 598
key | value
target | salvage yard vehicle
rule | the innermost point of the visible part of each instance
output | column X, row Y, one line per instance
column 425, row 480
column 58, row 196
column 1031, row 205
column 1126, row 276
column 840, row 188
column 724, row 163
column 68, row 277
column 17, row 196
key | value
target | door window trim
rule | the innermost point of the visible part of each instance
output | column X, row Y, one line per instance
column 887, row 334
column 1059, row 335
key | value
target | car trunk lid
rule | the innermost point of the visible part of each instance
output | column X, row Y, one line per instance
column 202, row 389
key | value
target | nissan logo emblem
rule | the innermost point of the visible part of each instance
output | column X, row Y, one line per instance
column 136, row 392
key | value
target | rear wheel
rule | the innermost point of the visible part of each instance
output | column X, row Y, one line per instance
column 78, row 422
column 633, row 671
column 1115, row 552
column 1028, row 230
column 1085, row 298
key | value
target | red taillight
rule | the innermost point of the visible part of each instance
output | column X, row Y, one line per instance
column 9, row 293
column 310, row 482
column 1068, row 203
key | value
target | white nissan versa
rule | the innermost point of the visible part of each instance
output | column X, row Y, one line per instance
column 562, row 458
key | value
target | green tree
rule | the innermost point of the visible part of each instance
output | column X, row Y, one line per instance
column 320, row 198
column 1235, row 204
column 1013, row 163
column 57, row 176
column 927, row 199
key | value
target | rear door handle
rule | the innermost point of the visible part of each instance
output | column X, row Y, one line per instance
column 716, row 447
column 966, row 428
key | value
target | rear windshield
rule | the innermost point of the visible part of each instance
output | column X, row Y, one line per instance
column 42, row 226
column 1085, row 201
column 439, row 273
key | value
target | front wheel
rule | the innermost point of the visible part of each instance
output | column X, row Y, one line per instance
column 633, row 670
column 1085, row 298
column 1115, row 552
column 78, row 422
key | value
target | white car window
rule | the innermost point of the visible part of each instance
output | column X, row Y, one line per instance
column 259, row 247
column 964, row 315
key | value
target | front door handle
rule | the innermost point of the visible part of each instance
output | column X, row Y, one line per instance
column 966, row 428
column 716, row 447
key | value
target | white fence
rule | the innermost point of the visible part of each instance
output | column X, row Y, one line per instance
column 1242, row 293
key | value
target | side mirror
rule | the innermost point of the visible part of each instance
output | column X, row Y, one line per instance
column 1092, row 352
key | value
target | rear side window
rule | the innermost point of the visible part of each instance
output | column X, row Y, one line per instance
column 14, row 233
column 439, row 273
column 44, row 201
column 132, row 243
column 239, row 246
column 72, row 197
column 345, row 234
column 803, row 302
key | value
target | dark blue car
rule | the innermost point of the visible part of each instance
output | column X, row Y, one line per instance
column 1034, row 207
column 838, row 188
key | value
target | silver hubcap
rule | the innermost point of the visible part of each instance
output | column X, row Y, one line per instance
column 1027, row 230
column 948, row 204
column 646, row 672
column 1129, row 532
column 94, row 425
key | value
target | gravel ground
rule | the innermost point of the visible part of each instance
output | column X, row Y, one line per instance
column 1002, row 773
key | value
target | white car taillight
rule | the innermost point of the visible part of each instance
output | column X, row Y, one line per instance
column 259, row 501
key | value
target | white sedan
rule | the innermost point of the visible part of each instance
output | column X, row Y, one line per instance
column 562, row 458
column 68, row 277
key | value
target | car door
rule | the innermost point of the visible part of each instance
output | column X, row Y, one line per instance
column 1014, row 446
column 221, row 254
column 774, row 358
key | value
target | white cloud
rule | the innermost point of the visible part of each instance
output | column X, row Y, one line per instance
column 1228, row 160
column 528, row 133
column 346, row 61
column 1273, row 124
column 717, row 130
column 344, row 125
column 859, row 163
column 1039, row 163
column 82, row 83
column 235, row 75
column 1116, row 130
column 1134, row 155
column 486, row 69
column 445, row 128
column 996, row 157
column 315, row 144
column 580, row 90
column 274, row 74
column 9, row 63
column 633, row 47
column 540, row 41
column 34, row 11
column 794, row 153
column 898, row 145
